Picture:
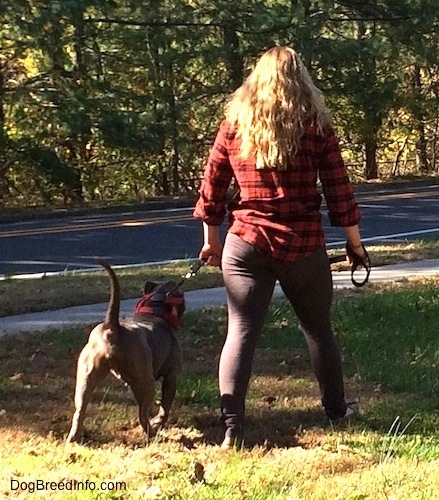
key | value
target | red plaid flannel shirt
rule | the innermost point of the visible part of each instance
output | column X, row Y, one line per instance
column 278, row 211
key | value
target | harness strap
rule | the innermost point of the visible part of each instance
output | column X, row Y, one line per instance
column 161, row 305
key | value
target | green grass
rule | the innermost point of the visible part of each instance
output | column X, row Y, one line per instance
column 390, row 345
column 394, row 331
column 198, row 389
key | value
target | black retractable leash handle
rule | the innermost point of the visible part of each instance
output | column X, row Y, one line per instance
column 193, row 269
column 357, row 262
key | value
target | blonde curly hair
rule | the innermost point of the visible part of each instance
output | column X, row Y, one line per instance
column 271, row 107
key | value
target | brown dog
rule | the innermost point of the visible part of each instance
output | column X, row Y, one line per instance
column 138, row 351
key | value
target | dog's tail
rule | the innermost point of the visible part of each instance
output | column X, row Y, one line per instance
column 111, row 320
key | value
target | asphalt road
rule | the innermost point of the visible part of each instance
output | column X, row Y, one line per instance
column 402, row 211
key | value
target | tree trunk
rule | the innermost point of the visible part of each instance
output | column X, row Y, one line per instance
column 395, row 168
column 370, row 149
column 82, row 164
column 163, row 187
column 233, row 55
column 422, row 161
column 173, row 116
column 73, row 188
column 3, row 155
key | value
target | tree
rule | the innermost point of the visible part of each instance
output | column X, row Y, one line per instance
column 120, row 100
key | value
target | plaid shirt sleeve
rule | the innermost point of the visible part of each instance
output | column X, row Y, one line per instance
column 218, row 173
column 338, row 192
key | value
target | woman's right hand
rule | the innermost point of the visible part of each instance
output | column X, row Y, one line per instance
column 212, row 249
column 211, row 254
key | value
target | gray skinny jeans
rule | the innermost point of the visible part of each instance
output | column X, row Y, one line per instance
column 249, row 277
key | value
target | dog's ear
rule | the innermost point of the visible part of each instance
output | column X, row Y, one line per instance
column 149, row 287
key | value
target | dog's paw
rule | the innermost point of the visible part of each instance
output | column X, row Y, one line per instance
column 157, row 422
column 74, row 438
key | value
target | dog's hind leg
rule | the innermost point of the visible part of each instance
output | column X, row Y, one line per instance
column 90, row 372
column 144, row 392
column 169, row 388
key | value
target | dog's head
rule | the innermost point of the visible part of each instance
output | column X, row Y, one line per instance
column 169, row 293
column 164, row 300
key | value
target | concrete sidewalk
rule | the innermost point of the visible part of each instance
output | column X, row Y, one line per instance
column 196, row 299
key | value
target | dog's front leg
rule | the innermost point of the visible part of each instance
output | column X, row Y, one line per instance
column 169, row 388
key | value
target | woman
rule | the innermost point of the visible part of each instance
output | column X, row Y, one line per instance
column 276, row 142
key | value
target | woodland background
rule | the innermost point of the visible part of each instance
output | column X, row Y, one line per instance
column 119, row 100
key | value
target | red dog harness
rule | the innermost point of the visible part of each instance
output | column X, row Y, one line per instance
column 162, row 305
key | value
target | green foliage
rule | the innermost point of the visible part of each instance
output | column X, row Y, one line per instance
column 128, row 94
column 130, row 130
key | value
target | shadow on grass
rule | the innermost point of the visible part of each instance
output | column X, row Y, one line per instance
column 37, row 384
column 38, row 375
